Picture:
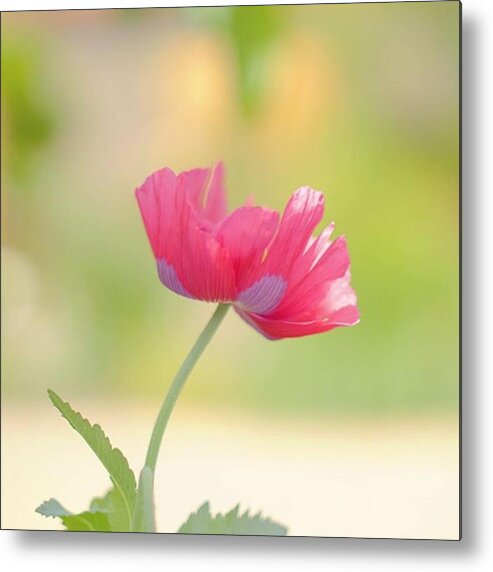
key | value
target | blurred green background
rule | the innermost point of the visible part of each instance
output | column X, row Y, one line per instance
column 358, row 101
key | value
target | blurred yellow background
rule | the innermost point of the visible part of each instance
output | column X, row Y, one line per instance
column 354, row 432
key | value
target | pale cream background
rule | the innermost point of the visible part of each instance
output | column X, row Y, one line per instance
column 368, row 479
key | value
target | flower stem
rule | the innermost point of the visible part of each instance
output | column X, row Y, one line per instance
column 179, row 381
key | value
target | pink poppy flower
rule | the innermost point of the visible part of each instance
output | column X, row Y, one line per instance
column 281, row 280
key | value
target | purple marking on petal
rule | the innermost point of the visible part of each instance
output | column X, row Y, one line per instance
column 263, row 296
column 168, row 277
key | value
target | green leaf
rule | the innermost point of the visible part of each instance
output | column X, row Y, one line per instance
column 87, row 521
column 144, row 518
column 114, row 505
column 113, row 459
column 105, row 514
column 101, row 504
column 202, row 522
column 52, row 508
column 94, row 520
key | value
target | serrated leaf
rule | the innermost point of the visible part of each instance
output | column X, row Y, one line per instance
column 144, row 517
column 87, row 521
column 114, row 506
column 52, row 508
column 202, row 522
column 100, row 504
column 113, row 459
column 94, row 520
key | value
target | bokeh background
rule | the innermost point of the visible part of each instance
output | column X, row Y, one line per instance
column 350, row 433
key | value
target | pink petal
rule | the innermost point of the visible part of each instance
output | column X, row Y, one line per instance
column 314, row 250
column 279, row 329
column 307, row 293
column 190, row 261
column 205, row 191
column 301, row 215
column 203, row 267
column 155, row 197
column 337, row 308
column 318, row 245
column 339, row 296
column 215, row 201
column 193, row 183
column 245, row 234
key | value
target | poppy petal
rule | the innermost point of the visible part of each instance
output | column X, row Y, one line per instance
column 303, row 296
column 245, row 234
column 190, row 261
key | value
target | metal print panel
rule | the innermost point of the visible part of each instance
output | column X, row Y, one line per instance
column 230, row 270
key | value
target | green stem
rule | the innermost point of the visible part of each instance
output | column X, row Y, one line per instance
column 178, row 383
